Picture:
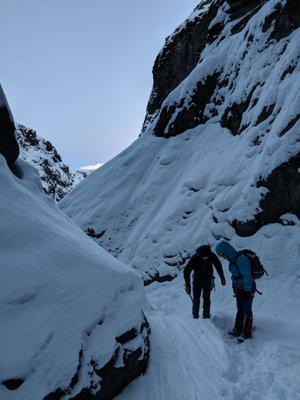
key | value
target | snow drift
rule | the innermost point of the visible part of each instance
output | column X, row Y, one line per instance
column 72, row 322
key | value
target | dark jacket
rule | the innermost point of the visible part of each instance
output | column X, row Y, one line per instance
column 239, row 266
column 202, row 263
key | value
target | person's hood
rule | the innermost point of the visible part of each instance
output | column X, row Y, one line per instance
column 224, row 249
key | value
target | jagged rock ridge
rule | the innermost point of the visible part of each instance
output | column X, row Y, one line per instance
column 57, row 178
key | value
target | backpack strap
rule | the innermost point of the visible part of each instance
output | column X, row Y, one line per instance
column 240, row 276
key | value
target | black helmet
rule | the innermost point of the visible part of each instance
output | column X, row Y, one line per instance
column 204, row 250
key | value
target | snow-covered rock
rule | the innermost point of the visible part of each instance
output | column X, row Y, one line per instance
column 219, row 152
column 72, row 321
column 57, row 178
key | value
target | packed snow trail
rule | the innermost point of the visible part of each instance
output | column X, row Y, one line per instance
column 196, row 360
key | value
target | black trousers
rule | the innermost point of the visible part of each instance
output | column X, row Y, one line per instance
column 205, row 289
column 244, row 316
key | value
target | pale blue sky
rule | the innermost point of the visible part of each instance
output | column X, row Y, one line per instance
column 80, row 71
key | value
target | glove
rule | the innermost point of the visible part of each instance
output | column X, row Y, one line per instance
column 223, row 282
column 247, row 295
column 187, row 289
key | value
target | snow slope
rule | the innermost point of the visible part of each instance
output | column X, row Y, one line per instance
column 64, row 302
column 195, row 360
column 154, row 210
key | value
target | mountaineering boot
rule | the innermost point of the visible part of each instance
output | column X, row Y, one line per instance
column 206, row 316
column 196, row 316
column 235, row 332
column 238, row 325
column 244, row 336
column 247, row 332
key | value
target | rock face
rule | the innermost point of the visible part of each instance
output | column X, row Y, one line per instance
column 72, row 319
column 180, row 55
column 218, row 156
column 283, row 194
column 57, row 178
column 189, row 111
column 113, row 378
column 184, row 49
column 8, row 145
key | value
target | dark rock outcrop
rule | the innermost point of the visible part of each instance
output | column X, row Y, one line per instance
column 287, row 19
column 13, row 383
column 290, row 125
column 283, row 197
column 91, row 233
column 113, row 379
column 158, row 278
column 8, row 144
column 233, row 115
column 18, row 140
column 183, row 51
column 180, row 55
column 187, row 117
column 241, row 8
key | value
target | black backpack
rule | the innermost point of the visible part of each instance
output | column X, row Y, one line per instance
column 256, row 266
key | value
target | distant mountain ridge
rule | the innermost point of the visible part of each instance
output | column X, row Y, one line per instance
column 56, row 176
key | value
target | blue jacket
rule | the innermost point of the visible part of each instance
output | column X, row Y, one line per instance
column 239, row 266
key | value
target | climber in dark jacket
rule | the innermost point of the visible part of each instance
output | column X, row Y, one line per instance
column 201, row 263
column 244, row 288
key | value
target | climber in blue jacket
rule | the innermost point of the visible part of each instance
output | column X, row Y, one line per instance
column 244, row 288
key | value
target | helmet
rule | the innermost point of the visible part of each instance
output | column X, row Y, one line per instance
column 204, row 251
